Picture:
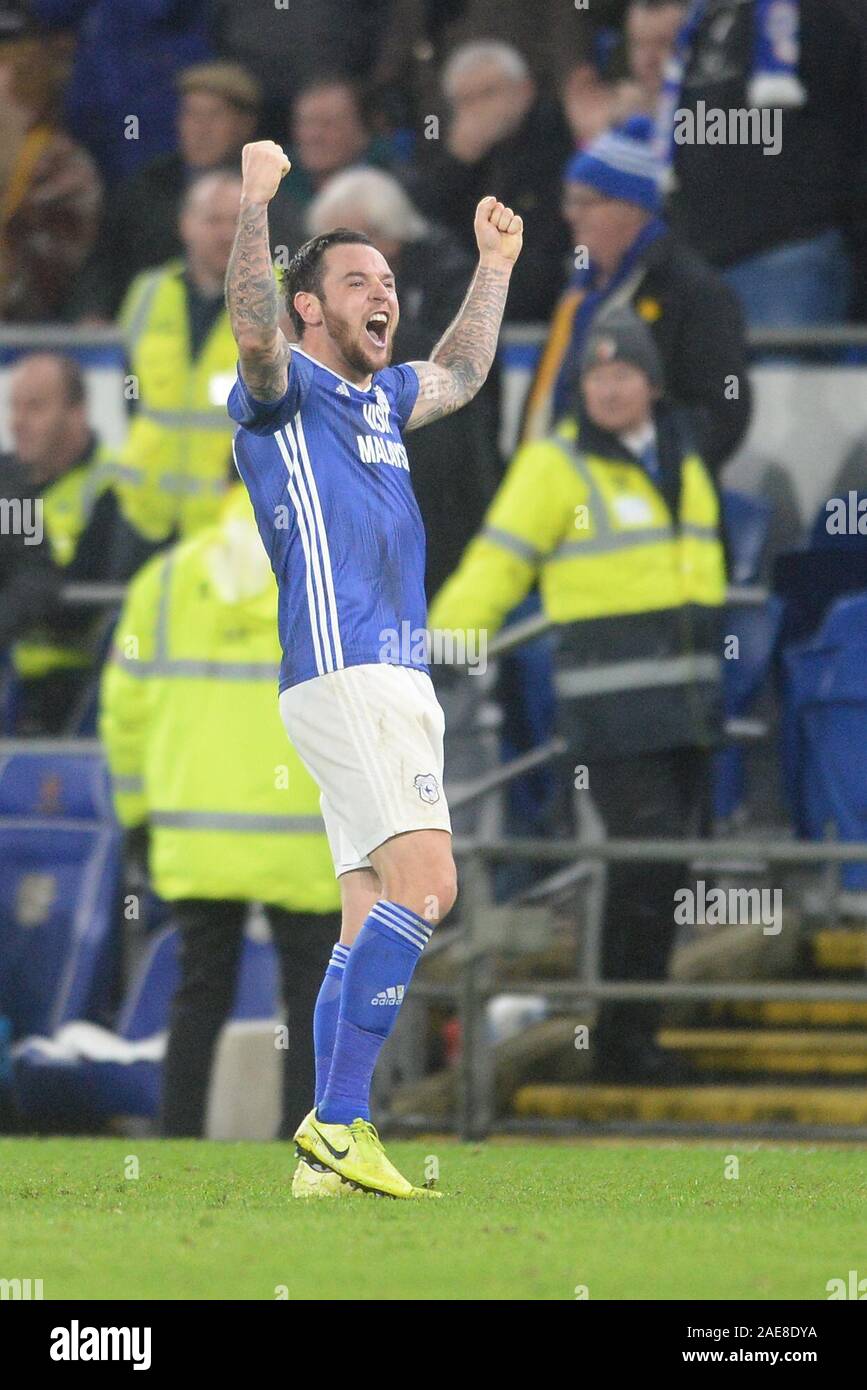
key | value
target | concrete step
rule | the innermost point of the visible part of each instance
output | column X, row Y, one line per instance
column 792, row 1013
column 711, row 1105
column 839, row 950
column 789, row 1052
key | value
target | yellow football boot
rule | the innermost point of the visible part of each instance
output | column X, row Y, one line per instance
column 356, row 1154
column 313, row 1179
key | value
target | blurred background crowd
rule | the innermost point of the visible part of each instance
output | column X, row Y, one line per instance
column 726, row 281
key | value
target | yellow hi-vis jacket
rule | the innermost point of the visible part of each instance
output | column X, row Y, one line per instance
column 175, row 465
column 67, row 506
column 635, row 591
column 190, row 722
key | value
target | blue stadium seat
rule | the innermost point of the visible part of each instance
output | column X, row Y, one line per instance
column 145, row 1011
column 86, row 1075
column 60, row 869
column 747, row 526
column 846, row 623
column 835, row 732
column 803, row 668
column 71, row 786
column 58, row 947
column 810, row 581
column 756, row 627
column 825, row 730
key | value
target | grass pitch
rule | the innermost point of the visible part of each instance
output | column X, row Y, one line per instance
column 517, row 1221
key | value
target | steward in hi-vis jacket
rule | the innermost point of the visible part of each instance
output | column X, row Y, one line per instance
column 618, row 518
column 199, row 756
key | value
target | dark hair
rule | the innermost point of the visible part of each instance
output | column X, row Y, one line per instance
column 304, row 272
column 321, row 81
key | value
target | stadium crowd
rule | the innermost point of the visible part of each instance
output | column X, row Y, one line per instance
column 646, row 260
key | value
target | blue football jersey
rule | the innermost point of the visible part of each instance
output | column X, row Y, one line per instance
column 327, row 473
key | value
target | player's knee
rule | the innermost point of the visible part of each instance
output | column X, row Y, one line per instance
column 430, row 893
column 443, row 890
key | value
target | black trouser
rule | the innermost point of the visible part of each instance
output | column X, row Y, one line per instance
column 645, row 796
column 210, row 947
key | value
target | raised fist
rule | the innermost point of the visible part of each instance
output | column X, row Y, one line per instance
column 499, row 232
column 263, row 165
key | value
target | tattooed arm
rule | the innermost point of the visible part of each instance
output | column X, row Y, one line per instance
column 251, row 290
column 461, row 360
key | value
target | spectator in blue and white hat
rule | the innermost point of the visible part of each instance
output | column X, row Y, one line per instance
column 625, row 254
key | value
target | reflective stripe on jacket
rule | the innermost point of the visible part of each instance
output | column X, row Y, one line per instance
column 175, row 465
column 66, row 506
column 636, row 592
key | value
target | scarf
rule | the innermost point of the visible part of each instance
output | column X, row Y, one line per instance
column 593, row 301
column 773, row 82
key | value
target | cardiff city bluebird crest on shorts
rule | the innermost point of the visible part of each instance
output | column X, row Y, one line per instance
column 427, row 785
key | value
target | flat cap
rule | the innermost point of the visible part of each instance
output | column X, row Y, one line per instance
column 228, row 80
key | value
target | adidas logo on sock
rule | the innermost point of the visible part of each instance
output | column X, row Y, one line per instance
column 393, row 995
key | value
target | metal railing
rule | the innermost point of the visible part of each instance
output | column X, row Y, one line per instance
column 475, row 1109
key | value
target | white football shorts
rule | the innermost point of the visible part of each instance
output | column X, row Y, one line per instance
column 372, row 738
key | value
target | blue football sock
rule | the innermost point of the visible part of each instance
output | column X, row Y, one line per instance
column 376, row 977
column 325, row 1016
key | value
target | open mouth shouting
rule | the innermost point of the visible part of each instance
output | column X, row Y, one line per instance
column 377, row 328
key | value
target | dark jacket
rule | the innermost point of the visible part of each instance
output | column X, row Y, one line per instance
column 455, row 464
column 31, row 582
column 139, row 230
column 525, row 172
column 733, row 200
column 698, row 327
column 287, row 50
column 701, row 338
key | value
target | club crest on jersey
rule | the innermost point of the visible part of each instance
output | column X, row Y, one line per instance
column 378, row 416
column 427, row 786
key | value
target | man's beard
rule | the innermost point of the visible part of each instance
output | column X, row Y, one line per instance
column 350, row 349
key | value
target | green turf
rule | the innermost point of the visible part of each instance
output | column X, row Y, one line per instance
column 518, row 1221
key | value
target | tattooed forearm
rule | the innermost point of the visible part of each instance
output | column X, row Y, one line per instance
column 254, row 308
column 461, row 360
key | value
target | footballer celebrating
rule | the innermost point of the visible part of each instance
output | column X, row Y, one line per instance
column 319, row 448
